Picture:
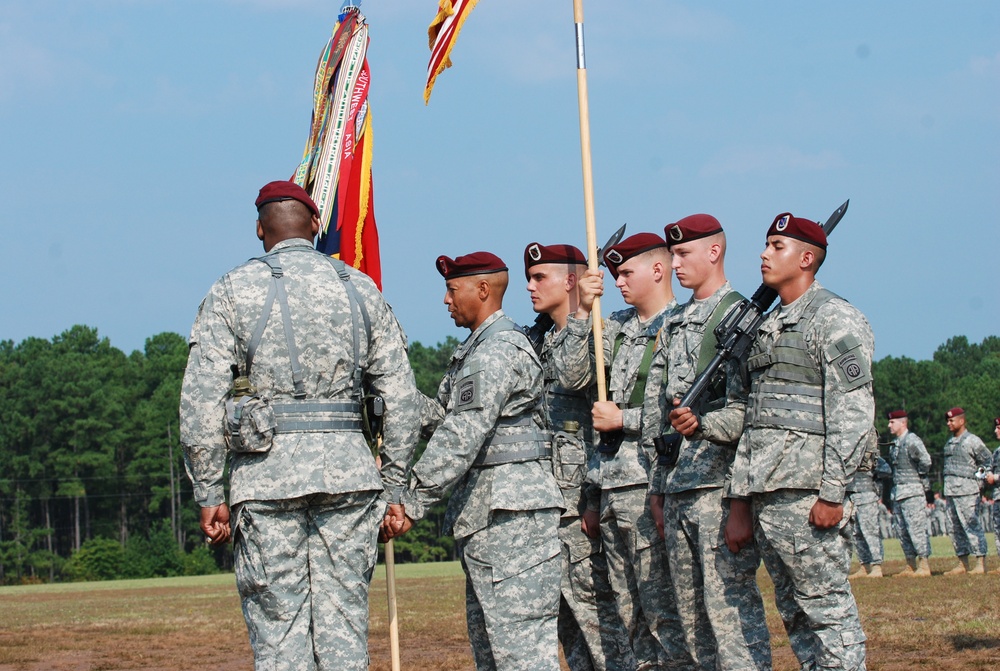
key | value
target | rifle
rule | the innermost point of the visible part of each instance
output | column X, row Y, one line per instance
column 736, row 332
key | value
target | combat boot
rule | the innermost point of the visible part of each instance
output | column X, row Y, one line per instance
column 907, row 572
column 861, row 572
column 923, row 568
column 976, row 566
column 874, row 571
column 961, row 568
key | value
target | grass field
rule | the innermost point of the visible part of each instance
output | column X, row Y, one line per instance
column 946, row 623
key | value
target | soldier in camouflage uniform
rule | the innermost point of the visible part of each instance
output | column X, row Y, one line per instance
column 716, row 589
column 863, row 494
column 619, row 471
column 810, row 418
column 910, row 464
column 305, row 333
column 491, row 451
column 940, row 521
column 964, row 453
column 590, row 629
column 992, row 479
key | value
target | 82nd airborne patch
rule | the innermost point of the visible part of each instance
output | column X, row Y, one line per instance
column 468, row 393
column 853, row 371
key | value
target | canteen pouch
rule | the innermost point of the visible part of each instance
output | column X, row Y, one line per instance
column 250, row 424
column 569, row 460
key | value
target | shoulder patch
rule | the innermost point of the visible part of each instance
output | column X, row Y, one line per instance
column 852, row 369
column 467, row 393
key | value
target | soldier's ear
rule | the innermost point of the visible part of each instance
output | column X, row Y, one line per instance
column 658, row 266
column 260, row 230
column 807, row 258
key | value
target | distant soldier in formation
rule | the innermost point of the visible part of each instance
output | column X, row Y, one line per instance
column 940, row 521
column 993, row 479
column 590, row 628
column 810, row 419
column 621, row 466
column 885, row 521
column 303, row 336
column 964, row 453
column 716, row 589
column 910, row 465
column 491, row 451
column 863, row 494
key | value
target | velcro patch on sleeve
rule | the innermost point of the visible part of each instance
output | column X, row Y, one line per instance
column 851, row 367
column 468, row 393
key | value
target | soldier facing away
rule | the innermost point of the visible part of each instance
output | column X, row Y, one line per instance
column 491, row 451
column 910, row 493
column 810, row 419
column 590, row 629
column 304, row 336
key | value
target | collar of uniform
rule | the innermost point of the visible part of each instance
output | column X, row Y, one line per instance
column 791, row 313
column 292, row 242
column 655, row 323
column 463, row 349
column 554, row 337
column 701, row 310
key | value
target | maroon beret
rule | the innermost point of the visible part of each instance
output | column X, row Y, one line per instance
column 284, row 190
column 791, row 226
column 691, row 228
column 633, row 245
column 537, row 253
column 897, row 414
column 954, row 412
column 477, row 263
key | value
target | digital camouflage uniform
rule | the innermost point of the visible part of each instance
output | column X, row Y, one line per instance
column 940, row 520
column 305, row 514
column 619, row 487
column 505, row 505
column 590, row 628
column 995, row 508
column 720, row 606
column 910, row 464
column 963, row 455
column 804, row 441
column 863, row 494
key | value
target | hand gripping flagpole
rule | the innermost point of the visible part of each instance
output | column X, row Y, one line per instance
column 588, row 195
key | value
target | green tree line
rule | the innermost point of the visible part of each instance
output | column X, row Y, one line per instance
column 961, row 374
column 92, row 484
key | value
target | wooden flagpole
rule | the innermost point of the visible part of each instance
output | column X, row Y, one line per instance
column 390, row 588
column 588, row 195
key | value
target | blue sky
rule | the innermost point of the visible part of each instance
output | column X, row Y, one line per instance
column 136, row 134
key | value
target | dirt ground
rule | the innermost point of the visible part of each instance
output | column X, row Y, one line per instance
column 946, row 623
